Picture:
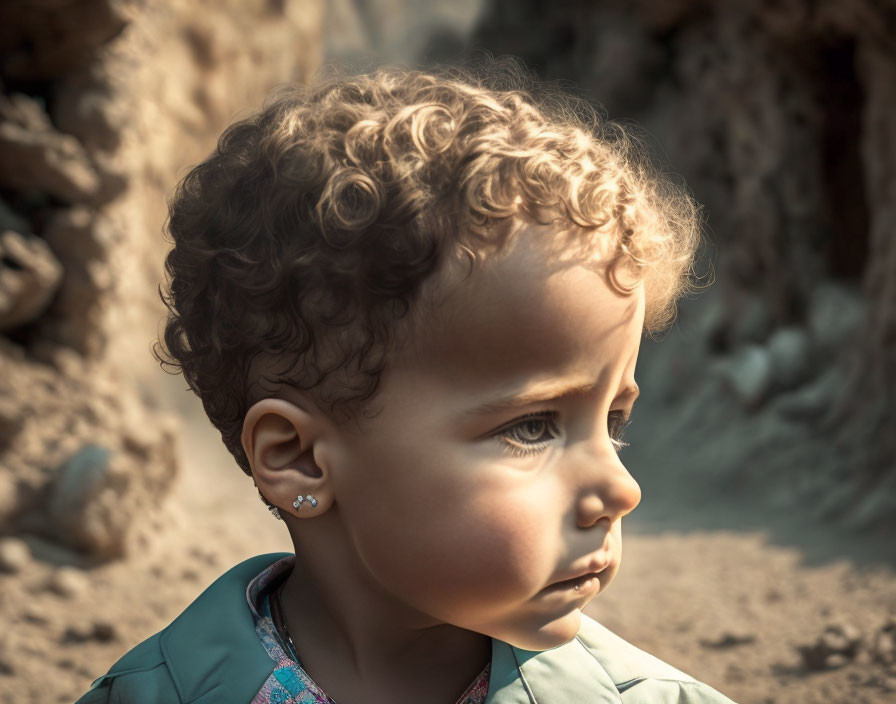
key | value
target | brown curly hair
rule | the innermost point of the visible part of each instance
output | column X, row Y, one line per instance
column 306, row 236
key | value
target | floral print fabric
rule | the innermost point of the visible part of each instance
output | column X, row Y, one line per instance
column 289, row 683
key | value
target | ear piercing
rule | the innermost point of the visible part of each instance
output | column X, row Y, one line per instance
column 302, row 500
column 298, row 503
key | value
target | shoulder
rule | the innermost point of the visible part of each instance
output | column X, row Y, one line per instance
column 622, row 660
column 141, row 675
column 640, row 676
column 211, row 648
column 596, row 666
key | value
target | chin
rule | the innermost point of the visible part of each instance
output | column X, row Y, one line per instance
column 549, row 635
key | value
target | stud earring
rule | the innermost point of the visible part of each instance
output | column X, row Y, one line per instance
column 301, row 500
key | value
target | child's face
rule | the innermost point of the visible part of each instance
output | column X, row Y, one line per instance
column 472, row 515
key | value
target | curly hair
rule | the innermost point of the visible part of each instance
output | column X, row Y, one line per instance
column 307, row 234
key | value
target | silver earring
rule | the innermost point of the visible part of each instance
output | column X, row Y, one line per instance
column 301, row 500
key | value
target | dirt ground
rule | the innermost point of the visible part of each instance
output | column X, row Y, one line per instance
column 700, row 587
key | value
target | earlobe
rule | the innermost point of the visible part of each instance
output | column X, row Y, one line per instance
column 279, row 440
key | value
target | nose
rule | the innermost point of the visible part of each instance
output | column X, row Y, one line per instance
column 606, row 489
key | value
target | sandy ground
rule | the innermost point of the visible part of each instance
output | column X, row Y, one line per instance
column 714, row 589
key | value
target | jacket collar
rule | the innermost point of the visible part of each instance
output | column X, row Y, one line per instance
column 212, row 647
column 206, row 652
column 568, row 673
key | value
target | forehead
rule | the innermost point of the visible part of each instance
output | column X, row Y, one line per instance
column 522, row 317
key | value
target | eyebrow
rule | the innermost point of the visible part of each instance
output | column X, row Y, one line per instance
column 630, row 393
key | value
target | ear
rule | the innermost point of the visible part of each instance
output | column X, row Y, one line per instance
column 279, row 439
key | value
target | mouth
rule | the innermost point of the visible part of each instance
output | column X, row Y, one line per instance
column 583, row 583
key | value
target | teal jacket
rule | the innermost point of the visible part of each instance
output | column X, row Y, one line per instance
column 211, row 653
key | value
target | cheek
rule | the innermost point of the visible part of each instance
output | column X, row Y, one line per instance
column 471, row 540
column 449, row 551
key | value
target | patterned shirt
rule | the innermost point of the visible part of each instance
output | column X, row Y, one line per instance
column 289, row 683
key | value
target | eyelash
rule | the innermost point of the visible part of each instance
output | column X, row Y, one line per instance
column 524, row 448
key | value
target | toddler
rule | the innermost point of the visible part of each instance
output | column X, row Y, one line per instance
column 412, row 305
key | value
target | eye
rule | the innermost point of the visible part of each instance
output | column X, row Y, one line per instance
column 530, row 434
column 617, row 422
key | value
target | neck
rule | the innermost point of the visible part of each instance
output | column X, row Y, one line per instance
column 356, row 640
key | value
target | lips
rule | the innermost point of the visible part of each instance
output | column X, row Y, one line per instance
column 579, row 578
column 571, row 583
column 591, row 566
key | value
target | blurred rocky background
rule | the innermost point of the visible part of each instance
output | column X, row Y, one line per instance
column 781, row 117
column 103, row 104
column 761, row 559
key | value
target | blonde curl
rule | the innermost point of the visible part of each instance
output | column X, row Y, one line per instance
column 310, row 230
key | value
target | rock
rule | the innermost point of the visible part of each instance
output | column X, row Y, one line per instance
column 773, row 595
column 84, row 106
column 35, row 616
column 863, row 657
column 836, row 315
column 789, row 352
column 834, row 660
column 14, row 555
column 843, row 638
column 886, row 683
column 749, row 374
column 104, row 632
column 35, row 157
column 189, row 575
column 735, row 673
column 68, row 582
column 79, row 479
column 84, row 503
column 62, row 357
column 9, row 499
column 98, row 631
column 12, row 418
column 114, row 176
column 810, row 401
column 835, row 647
column 883, row 643
column 728, row 639
column 138, row 435
column 29, row 276
column 83, row 242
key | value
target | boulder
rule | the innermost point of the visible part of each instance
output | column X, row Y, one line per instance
column 789, row 351
column 35, row 157
column 29, row 276
column 748, row 373
column 14, row 555
column 83, row 508
column 837, row 313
